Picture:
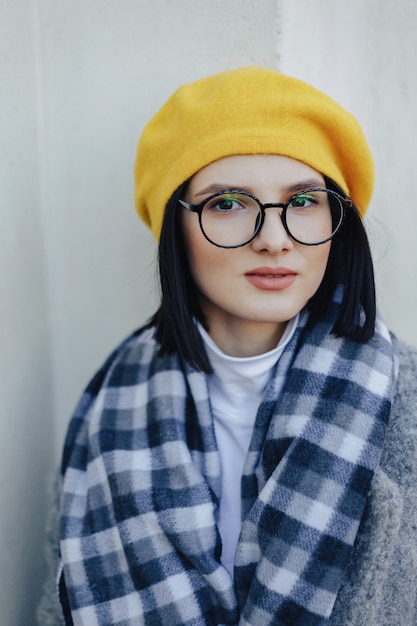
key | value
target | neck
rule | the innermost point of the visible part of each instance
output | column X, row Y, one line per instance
column 242, row 338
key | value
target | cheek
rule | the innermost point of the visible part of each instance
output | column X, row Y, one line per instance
column 318, row 261
column 206, row 262
column 209, row 265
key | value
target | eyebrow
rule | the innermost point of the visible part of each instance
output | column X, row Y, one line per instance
column 308, row 183
column 290, row 189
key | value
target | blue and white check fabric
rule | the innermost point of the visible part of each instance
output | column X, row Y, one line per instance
column 141, row 486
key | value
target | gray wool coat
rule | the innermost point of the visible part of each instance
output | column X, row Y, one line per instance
column 380, row 588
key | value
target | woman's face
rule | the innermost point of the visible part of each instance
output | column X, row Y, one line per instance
column 248, row 294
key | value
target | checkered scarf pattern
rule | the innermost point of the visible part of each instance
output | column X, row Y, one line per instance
column 141, row 477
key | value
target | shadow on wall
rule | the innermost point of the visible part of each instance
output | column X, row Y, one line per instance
column 26, row 422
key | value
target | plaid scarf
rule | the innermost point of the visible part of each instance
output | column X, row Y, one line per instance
column 141, row 476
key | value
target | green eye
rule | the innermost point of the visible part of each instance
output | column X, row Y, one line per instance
column 225, row 204
column 303, row 200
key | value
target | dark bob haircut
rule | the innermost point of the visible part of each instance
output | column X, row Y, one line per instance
column 349, row 264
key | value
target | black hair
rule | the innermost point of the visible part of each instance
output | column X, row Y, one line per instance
column 349, row 264
column 174, row 321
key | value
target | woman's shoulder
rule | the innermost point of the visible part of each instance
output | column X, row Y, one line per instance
column 385, row 556
column 127, row 366
column 134, row 351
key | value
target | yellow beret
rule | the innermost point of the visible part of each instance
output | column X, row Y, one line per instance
column 252, row 110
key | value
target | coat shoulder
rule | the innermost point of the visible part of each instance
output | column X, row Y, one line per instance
column 381, row 583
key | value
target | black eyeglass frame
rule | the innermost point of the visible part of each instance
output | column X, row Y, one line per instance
column 198, row 208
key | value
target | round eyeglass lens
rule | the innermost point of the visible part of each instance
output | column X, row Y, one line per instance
column 230, row 219
column 312, row 217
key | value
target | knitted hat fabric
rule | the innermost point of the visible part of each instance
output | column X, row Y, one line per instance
column 251, row 110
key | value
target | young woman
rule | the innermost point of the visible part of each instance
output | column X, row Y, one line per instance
column 248, row 457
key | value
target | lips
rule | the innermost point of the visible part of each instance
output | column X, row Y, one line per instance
column 271, row 279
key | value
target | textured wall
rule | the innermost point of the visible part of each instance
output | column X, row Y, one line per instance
column 26, row 443
column 79, row 80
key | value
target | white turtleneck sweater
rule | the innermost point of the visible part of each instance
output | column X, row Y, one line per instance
column 236, row 388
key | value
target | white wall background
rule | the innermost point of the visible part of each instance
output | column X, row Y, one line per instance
column 78, row 81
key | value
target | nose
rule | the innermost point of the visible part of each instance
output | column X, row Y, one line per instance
column 272, row 237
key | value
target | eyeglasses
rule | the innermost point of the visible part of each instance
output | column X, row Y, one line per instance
column 233, row 218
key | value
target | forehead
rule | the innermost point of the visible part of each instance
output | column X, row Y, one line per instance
column 256, row 169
